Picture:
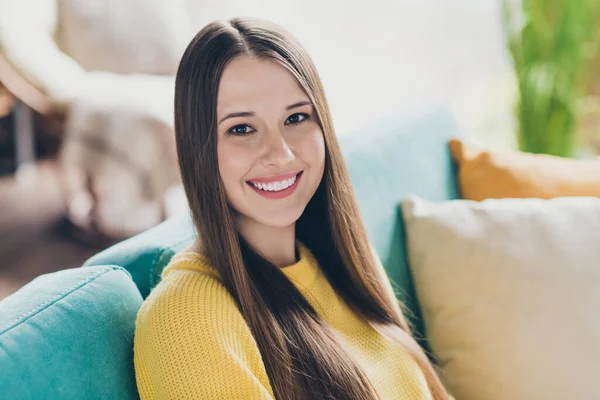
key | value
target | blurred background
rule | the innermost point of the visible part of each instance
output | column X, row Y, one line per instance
column 87, row 154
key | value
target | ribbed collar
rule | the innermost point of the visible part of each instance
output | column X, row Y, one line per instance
column 306, row 270
column 303, row 273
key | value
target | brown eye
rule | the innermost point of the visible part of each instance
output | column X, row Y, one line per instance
column 241, row 130
column 296, row 118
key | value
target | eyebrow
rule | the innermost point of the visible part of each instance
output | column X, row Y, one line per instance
column 251, row 113
column 299, row 104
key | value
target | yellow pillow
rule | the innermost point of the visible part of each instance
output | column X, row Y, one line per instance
column 485, row 173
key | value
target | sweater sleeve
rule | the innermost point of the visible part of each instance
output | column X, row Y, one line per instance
column 192, row 342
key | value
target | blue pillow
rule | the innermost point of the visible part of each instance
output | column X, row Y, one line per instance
column 69, row 335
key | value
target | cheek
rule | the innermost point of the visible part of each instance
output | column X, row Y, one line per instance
column 313, row 149
column 234, row 163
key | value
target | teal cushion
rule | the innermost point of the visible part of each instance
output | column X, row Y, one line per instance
column 69, row 335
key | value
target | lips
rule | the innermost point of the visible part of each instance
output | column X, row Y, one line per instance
column 274, row 178
column 275, row 194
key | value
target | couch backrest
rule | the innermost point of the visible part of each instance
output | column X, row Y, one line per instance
column 400, row 155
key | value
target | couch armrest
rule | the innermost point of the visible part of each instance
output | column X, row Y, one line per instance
column 69, row 335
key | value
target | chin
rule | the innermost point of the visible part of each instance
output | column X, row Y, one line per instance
column 281, row 220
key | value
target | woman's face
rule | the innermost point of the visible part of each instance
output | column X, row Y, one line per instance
column 271, row 151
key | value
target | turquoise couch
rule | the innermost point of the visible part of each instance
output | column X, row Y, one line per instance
column 69, row 334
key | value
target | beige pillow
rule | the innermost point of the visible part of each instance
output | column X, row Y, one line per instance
column 510, row 294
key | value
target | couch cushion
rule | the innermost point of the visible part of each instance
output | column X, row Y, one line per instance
column 401, row 154
column 485, row 173
column 69, row 335
column 509, row 290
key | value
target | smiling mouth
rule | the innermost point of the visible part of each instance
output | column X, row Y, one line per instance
column 275, row 186
column 276, row 189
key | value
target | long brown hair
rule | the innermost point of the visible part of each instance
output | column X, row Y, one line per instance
column 302, row 357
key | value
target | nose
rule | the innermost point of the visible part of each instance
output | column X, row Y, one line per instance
column 277, row 150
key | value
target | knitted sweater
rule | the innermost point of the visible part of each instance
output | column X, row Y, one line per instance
column 192, row 342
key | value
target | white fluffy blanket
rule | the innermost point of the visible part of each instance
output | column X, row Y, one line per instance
column 119, row 154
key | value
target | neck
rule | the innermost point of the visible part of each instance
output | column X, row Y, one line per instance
column 276, row 244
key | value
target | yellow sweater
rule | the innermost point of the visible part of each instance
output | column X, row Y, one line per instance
column 191, row 341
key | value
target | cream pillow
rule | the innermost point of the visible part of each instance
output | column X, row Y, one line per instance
column 510, row 294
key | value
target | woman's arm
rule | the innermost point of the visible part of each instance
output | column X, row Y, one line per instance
column 192, row 342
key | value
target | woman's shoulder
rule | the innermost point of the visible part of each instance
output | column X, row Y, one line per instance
column 190, row 260
column 189, row 304
column 190, row 285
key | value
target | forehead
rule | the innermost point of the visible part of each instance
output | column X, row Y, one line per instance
column 247, row 84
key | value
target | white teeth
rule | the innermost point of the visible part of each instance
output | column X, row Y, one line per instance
column 275, row 186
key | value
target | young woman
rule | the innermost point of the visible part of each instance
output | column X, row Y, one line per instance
column 282, row 295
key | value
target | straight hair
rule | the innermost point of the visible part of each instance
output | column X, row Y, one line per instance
column 302, row 355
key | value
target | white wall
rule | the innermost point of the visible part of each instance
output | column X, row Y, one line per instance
column 378, row 57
